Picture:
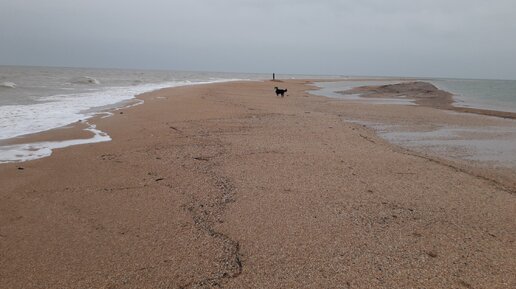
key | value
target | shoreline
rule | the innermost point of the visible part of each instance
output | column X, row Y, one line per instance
column 78, row 133
column 227, row 184
column 445, row 101
column 82, row 132
column 55, row 138
column 425, row 94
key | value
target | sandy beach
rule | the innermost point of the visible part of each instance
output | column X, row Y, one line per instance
column 229, row 186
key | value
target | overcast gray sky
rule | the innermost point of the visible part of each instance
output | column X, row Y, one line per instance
column 449, row 38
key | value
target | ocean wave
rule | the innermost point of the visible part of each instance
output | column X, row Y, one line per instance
column 8, row 84
column 84, row 80
column 63, row 109
column 32, row 151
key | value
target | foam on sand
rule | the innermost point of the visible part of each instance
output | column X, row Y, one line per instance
column 32, row 151
column 60, row 110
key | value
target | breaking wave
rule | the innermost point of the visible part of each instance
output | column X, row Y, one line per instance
column 8, row 84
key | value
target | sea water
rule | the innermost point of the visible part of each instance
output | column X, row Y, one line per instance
column 36, row 99
column 493, row 145
column 499, row 95
column 333, row 89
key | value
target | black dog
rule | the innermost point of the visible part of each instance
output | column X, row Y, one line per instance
column 280, row 91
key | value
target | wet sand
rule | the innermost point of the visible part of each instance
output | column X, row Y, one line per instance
column 227, row 185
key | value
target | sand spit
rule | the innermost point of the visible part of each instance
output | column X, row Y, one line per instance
column 228, row 186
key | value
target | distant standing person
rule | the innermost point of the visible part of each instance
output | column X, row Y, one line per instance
column 273, row 76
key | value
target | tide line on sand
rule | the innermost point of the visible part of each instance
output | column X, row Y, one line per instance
column 32, row 151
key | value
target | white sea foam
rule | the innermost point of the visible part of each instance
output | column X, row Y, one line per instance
column 48, row 98
column 32, row 151
column 60, row 110
column 8, row 84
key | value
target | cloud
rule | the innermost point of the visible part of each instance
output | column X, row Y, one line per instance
column 398, row 37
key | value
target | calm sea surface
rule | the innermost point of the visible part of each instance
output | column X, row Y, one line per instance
column 489, row 94
column 491, row 145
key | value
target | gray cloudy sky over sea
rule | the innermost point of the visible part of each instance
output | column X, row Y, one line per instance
column 447, row 38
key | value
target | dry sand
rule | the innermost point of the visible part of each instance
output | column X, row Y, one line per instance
column 227, row 185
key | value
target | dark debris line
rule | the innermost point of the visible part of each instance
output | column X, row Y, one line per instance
column 206, row 213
